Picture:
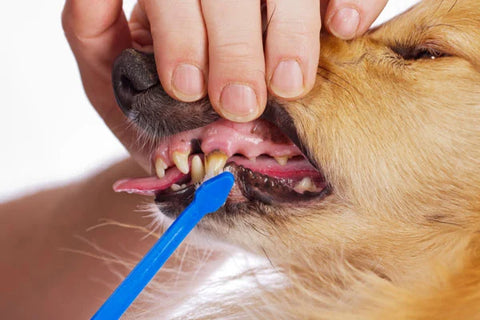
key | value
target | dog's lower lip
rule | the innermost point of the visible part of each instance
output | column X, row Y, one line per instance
column 250, row 186
column 182, row 196
column 269, row 190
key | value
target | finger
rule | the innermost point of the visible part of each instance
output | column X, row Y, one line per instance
column 347, row 19
column 97, row 32
column 236, row 83
column 140, row 30
column 292, row 46
column 180, row 46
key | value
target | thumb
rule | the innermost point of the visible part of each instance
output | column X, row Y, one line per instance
column 98, row 32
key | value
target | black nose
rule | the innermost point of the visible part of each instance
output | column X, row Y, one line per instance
column 133, row 72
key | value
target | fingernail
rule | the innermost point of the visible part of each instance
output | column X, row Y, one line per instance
column 344, row 23
column 287, row 80
column 239, row 103
column 188, row 82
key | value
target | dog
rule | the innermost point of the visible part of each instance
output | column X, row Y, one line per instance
column 372, row 207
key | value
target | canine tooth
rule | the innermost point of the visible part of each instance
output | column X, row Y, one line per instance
column 198, row 171
column 176, row 187
column 160, row 167
column 282, row 160
column 305, row 185
column 214, row 163
column 181, row 161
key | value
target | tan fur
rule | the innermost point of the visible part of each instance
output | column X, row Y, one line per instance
column 399, row 140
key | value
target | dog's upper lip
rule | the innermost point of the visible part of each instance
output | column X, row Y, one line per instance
column 250, row 139
column 276, row 113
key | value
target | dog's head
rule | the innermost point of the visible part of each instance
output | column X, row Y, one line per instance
column 384, row 153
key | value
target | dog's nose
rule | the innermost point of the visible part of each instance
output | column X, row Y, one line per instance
column 133, row 72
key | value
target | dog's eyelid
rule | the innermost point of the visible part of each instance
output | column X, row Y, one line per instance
column 417, row 52
column 428, row 53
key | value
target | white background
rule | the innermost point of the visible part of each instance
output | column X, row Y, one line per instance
column 49, row 133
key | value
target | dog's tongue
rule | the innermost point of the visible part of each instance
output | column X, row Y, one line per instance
column 149, row 185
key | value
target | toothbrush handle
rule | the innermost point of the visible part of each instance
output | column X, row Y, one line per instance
column 146, row 269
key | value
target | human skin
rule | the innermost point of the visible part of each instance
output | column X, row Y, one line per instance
column 65, row 249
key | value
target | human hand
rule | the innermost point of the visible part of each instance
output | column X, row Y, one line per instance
column 210, row 46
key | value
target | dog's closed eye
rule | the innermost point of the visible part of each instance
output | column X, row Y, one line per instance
column 417, row 52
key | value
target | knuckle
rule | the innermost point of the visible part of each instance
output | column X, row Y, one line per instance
column 296, row 29
column 236, row 47
column 235, row 51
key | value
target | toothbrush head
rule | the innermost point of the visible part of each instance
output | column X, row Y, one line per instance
column 213, row 193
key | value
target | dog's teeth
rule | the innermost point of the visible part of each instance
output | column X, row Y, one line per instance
column 214, row 163
column 160, row 167
column 305, row 185
column 282, row 160
column 181, row 161
column 198, row 171
column 176, row 187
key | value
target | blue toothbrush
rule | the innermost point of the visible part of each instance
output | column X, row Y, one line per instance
column 209, row 197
